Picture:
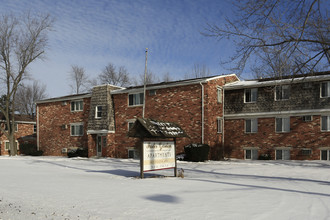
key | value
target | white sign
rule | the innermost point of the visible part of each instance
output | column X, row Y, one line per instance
column 158, row 155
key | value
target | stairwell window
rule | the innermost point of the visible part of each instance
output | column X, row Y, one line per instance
column 325, row 123
column 282, row 124
column 219, row 125
column 325, row 89
column 76, row 106
column 135, row 99
column 251, row 125
column 77, row 129
column 250, row 95
column 282, row 92
column 98, row 111
column 219, row 95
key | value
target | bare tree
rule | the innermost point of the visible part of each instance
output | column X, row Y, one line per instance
column 299, row 28
column 111, row 76
column 198, row 71
column 167, row 77
column 78, row 78
column 23, row 40
column 151, row 78
column 27, row 95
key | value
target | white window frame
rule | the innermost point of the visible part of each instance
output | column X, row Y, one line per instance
column 253, row 125
column 16, row 127
column 219, row 125
column 135, row 99
column 283, row 90
column 77, row 125
column 284, row 156
column 327, row 91
column 327, row 152
column 254, row 153
column 326, row 123
column 285, row 125
column 98, row 111
column 7, row 147
column 253, row 95
column 219, row 95
column 307, row 118
column 77, row 105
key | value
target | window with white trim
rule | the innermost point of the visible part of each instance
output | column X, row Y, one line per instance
column 219, row 95
column 251, row 125
column 250, row 95
column 77, row 129
column 325, row 123
column 135, row 99
column 130, row 124
column 98, row 111
column 325, row 154
column 251, row 154
column 7, row 145
column 282, row 154
column 282, row 92
column 77, row 106
column 282, row 124
column 325, row 89
column 219, row 125
column 16, row 127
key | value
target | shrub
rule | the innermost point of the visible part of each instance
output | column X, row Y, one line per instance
column 265, row 157
column 197, row 152
column 30, row 149
column 78, row 152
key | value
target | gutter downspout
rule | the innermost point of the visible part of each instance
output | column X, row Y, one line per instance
column 202, row 112
column 38, row 148
column 223, row 123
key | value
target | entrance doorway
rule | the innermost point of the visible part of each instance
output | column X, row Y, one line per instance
column 101, row 142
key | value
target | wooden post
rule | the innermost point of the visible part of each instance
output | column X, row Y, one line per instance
column 142, row 160
column 175, row 168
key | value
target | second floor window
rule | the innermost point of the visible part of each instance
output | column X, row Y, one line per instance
column 282, row 124
column 251, row 125
column 76, row 106
column 77, row 129
column 98, row 111
column 135, row 99
column 282, row 92
column 15, row 126
column 251, row 95
column 325, row 123
column 325, row 89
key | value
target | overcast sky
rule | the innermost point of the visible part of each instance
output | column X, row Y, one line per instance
column 93, row 33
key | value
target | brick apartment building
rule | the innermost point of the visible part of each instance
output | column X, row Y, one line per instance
column 100, row 120
column 25, row 130
column 278, row 118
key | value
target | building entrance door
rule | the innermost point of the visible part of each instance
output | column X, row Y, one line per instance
column 100, row 143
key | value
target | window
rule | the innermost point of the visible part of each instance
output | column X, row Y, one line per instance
column 325, row 154
column 306, row 152
column 135, row 99
column 325, row 123
column 219, row 125
column 77, row 129
column 219, row 95
column 282, row 154
column 130, row 124
column 251, row 154
column 307, row 118
column 251, row 125
column 34, row 128
column 152, row 92
column 76, row 106
column 251, row 95
column 282, row 124
column 98, row 111
column 282, row 92
column 16, row 127
column 325, row 89
column 133, row 154
column 7, row 145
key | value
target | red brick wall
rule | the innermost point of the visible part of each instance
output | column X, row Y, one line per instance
column 51, row 116
column 302, row 135
column 24, row 129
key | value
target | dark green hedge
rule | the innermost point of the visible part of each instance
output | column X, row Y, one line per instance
column 30, row 149
column 196, row 152
column 78, row 152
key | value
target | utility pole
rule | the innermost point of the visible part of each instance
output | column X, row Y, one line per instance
column 145, row 82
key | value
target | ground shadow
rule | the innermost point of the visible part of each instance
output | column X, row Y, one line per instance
column 163, row 198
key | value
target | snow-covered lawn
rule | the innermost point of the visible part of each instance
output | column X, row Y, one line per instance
column 78, row 188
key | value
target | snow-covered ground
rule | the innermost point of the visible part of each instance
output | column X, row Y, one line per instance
column 79, row 188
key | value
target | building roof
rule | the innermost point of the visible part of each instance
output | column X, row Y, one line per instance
column 321, row 76
column 20, row 118
column 65, row 98
column 169, row 84
column 151, row 128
